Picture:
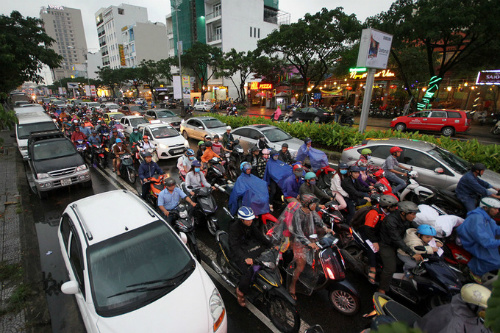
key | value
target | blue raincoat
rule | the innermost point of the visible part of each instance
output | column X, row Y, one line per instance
column 477, row 234
column 250, row 191
column 276, row 170
column 317, row 158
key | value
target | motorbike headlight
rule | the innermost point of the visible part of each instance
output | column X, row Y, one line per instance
column 217, row 309
column 183, row 214
column 42, row 175
column 81, row 167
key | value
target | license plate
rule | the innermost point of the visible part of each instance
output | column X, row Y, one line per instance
column 65, row 182
column 178, row 151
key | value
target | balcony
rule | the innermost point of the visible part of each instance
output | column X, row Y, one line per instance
column 276, row 16
column 217, row 37
column 213, row 16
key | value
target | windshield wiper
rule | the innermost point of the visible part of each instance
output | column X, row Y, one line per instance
column 175, row 277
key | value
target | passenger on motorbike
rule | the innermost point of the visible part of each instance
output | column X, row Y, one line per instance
column 285, row 155
column 338, row 192
column 184, row 162
column 195, row 178
column 257, row 161
column 358, row 194
column 392, row 233
column 470, row 187
column 246, row 243
column 86, row 128
column 389, row 167
column 478, row 235
column 262, row 144
column 201, row 150
column 365, row 157
column 365, row 179
column 101, row 127
column 291, row 184
column 119, row 149
column 465, row 313
column 217, row 147
column 275, row 172
column 169, row 199
column 309, row 187
column 208, row 154
column 148, row 169
column 145, row 144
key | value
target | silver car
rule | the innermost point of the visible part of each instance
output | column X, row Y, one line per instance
column 435, row 165
column 275, row 137
column 197, row 128
column 164, row 116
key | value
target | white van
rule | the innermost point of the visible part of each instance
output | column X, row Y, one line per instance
column 28, row 108
column 29, row 122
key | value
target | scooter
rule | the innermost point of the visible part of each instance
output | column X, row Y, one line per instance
column 496, row 128
column 281, row 307
column 324, row 176
column 391, row 311
column 127, row 169
column 184, row 222
column 215, row 172
column 327, row 271
column 81, row 148
column 234, row 161
column 206, row 206
column 100, row 155
column 335, row 220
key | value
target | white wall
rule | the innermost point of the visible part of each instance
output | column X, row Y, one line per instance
column 150, row 41
column 94, row 60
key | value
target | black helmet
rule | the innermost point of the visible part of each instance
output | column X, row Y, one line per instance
column 254, row 148
column 216, row 136
column 343, row 166
column 170, row 181
column 478, row 167
column 307, row 199
column 284, row 145
column 387, row 201
column 408, row 207
column 354, row 168
column 208, row 143
column 306, row 140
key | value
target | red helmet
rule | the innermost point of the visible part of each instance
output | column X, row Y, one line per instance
column 145, row 137
column 395, row 150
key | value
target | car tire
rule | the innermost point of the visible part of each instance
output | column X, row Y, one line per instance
column 400, row 127
column 448, row 131
column 185, row 135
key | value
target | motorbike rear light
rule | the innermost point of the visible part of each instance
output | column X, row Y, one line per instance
column 350, row 231
column 329, row 271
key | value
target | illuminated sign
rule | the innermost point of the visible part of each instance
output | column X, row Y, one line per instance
column 386, row 73
column 357, row 69
column 122, row 55
column 55, row 7
column 488, row 77
column 260, row 86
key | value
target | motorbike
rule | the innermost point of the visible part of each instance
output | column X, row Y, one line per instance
column 234, row 160
column 231, row 112
column 100, row 155
column 184, row 222
column 206, row 207
column 215, row 172
column 267, row 286
column 346, row 119
column 496, row 128
column 127, row 169
column 327, row 271
column 392, row 312
column 81, row 147
column 335, row 220
column 324, row 176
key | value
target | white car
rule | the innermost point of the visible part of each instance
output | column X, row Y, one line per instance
column 131, row 122
column 203, row 106
column 110, row 107
column 139, row 101
column 133, row 273
column 169, row 143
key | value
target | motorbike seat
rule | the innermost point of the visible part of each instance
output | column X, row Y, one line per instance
column 223, row 241
column 401, row 313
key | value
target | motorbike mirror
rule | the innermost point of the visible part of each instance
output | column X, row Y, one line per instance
column 439, row 170
column 183, row 237
column 419, row 248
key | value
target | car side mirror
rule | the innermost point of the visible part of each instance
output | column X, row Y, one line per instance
column 439, row 170
column 200, row 127
column 70, row 288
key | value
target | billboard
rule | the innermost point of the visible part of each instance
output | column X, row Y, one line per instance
column 122, row 55
column 374, row 49
column 72, row 85
column 186, row 85
column 488, row 77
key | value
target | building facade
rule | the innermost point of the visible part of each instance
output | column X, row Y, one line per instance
column 65, row 25
column 94, row 61
column 110, row 21
column 144, row 41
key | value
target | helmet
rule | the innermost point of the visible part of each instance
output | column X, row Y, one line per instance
column 201, row 143
column 246, row 213
column 427, row 230
column 261, row 136
column 284, row 145
column 145, row 137
column 94, row 132
column 190, row 152
column 354, row 168
column 366, row 151
column 228, row 128
column 307, row 199
column 245, row 166
column 274, row 152
column 478, row 167
column 196, row 163
column 169, row 181
column 387, row 201
column 208, row 143
column 408, row 207
column 306, row 140
column 395, row 150
column 254, row 149
column 310, row 175
column 489, row 202
column 148, row 154
column 208, row 137
column 476, row 294
column 216, row 136
column 343, row 166
column 265, row 151
column 236, row 142
column 118, row 140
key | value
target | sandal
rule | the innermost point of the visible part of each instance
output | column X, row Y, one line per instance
column 293, row 296
column 371, row 276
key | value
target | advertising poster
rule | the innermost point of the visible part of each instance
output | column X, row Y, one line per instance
column 176, row 82
column 186, row 86
column 87, row 90
column 374, row 49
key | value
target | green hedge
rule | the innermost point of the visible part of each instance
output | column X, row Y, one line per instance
column 337, row 137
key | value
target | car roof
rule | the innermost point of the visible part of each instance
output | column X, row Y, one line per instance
column 131, row 117
column 202, row 118
column 406, row 143
column 130, row 213
column 112, row 113
column 154, row 125
column 259, row 126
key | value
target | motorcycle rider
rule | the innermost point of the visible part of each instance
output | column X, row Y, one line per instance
column 119, row 149
column 262, row 144
column 309, row 187
column 358, row 194
column 184, row 162
column 365, row 157
column 470, row 187
column 208, row 154
column 246, row 243
column 389, row 166
column 77, row 135
column 227, row 138
column 465, row 313
column 290, row 186
column 195, row 178
column 217, row 147
column 93, row 140
column 275, row 172
column 145, row 144
column 257, row 161
column 148, row 169
column 135, row 136
column 169, row 199
column 285, row 155
column 478, row 235
column 392, row 231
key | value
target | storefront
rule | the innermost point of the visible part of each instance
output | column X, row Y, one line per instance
column 381, row 87
column 260, row 93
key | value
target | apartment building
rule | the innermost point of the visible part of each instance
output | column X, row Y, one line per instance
column 144, row 41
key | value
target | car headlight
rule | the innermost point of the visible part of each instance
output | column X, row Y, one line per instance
column 394, row 119
column 186, row 143
column 42, row 175
column 162, row 146
column 81, row 167
column 217, row 309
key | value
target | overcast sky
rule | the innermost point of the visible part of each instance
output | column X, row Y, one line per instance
column 157, row 9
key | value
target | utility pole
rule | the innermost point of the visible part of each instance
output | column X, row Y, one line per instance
column 179, row 45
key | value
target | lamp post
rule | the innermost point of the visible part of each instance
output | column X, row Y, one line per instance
column 179, row 46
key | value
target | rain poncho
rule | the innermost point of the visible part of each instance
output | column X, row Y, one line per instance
column 249, row 191
column 276, row 170
column 443, row 224
column 317, row 158
column 477, row 234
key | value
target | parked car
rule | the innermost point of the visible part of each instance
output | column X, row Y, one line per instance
column 203, row 106
column 313, row 114
column 275, row 137
column 140, row 101
column 33, row 120
column 91, row 105
column 107, row 116
column 197, row 128
column 133, row 273
column 164, row 116
column 110, row 107
column 132, row 110
column 435, row 165
column 169, row 143
column 448, row 122
column 131, row 122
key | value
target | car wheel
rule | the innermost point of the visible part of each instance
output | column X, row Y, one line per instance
column 316, row 119
column 400, row 127
column 185, row 135
column 448, row 131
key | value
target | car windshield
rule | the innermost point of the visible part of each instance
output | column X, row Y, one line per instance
column 24, row 131
column 456, row 163
column 93, row 105
column 165, row 114
column 276, row 135
column 117, row 116
column 112, row 106
column 52, row 149
column 137, row 267
column 58, row 102
column 163, row 132
column 136, row 121
column 213, row 123
column 135, row 108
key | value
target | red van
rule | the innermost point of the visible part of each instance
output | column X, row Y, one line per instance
column 448, row 122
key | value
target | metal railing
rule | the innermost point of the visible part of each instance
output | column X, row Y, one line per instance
column 213, row 15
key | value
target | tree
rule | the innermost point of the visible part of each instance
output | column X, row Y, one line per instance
column 151, row 72
column 111, row 78
column 313, row 44
column 24, row 48
column 238, row 63
column 201, row 59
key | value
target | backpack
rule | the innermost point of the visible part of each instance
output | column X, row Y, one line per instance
column 359, row 217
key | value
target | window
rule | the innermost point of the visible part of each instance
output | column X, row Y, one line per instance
column 121, row 11
column 452, row 114
column 217, row 10
column 76, row 260
column 422, row 114
column 65, row 229
column 438, row 114
column 420, row 160
column 258, row 33
column 250, row 31
column 379, row 151
column 242, row 132
column 253, row 134
column 255, row 32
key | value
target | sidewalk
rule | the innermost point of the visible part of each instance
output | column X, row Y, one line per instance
column 20, row 277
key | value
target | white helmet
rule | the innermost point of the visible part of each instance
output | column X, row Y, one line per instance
column 489, row 202
column 476, row 294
